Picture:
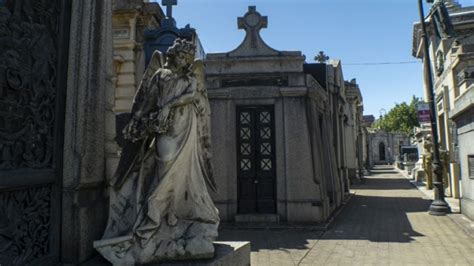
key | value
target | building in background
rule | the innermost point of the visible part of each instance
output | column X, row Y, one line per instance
column 130, row 19
column 367, row 122
column 139, row 28
column 385, row 146
column 354, row 130
column 452, row 55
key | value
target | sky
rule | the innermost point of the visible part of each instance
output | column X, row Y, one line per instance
column 363, row 31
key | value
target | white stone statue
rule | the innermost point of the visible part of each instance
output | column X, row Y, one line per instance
column 160, row 208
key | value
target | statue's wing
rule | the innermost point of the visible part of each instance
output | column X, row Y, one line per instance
column 132, row 150
column 204, row 122
column 156, row 63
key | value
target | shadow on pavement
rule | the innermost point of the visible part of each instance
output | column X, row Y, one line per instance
column 377, row 219
column 384, row 172
column 383, row 183
column 272, row 239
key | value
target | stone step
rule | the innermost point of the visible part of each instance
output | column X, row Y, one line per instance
column 257, row 218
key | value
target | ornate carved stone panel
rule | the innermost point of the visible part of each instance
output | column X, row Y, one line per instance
column 28, row 75
column 33, row 41
column 25, row 220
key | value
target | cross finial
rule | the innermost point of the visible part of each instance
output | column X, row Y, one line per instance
column 252, row 22
column 321, row 57
column 169, row 7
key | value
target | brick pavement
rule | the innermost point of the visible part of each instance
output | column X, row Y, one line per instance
column 385, row 223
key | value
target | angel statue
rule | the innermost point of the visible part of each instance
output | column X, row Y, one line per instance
column 160, row 208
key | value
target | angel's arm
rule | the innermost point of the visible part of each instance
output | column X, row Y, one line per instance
column 185, row 98
column 191, row 92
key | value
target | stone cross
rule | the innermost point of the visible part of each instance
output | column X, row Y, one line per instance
column 169, row 7
column 252, row 22
column 321, row 57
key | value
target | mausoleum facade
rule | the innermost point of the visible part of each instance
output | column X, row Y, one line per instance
column 275, row 130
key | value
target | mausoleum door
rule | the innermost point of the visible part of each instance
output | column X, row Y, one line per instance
column 256, row 159
column 382, row 151
column 33, row 68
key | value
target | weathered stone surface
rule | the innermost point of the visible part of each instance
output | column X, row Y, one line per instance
column 184, row 241
column 226, row 254
column 466, row 150
column 88, row 86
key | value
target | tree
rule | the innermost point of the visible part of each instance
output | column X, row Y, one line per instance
column 401, row 118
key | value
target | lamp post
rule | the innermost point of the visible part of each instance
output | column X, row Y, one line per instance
column 439, row 205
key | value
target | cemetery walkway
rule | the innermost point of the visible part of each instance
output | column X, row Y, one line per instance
column 385, row 223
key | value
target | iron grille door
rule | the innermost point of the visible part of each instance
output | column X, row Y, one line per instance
column 256, row 159
column 33, row 68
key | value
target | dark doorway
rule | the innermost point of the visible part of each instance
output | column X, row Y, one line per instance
column 256, row 159
column 382, row 151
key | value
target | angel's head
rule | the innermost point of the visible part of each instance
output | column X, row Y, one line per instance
column 181, row 54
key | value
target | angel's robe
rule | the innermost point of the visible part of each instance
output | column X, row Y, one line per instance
column 169, row 174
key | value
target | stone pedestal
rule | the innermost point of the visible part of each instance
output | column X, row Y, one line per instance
column 409, row 166
column 418, row 174
column 226, row 254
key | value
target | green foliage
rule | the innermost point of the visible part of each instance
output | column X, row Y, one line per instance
column 401, row 118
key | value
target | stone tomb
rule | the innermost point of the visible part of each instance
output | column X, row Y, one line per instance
column 385, row 146
column 271, row 133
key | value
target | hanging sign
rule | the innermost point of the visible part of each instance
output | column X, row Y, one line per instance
column 423, row 112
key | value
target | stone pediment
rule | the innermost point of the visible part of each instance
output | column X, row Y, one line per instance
column 253, row 45
column 253, row 55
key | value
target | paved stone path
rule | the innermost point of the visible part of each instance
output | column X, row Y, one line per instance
column 385, row 223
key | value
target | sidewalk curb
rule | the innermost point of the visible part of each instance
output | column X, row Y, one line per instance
column 464, row 223
column 336, row 213
column 421, row 187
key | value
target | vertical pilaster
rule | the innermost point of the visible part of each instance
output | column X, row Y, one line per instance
column 87, row 105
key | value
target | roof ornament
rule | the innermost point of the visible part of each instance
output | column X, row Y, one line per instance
column 252, row 22
column 322, row 58
column 169, row 7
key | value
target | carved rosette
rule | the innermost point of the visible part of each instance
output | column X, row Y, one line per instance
column 25, row 217
column 28, row 59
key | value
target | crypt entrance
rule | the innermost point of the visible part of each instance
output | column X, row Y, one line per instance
column 382, row 151
column 256, row 159
column 267, row 149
